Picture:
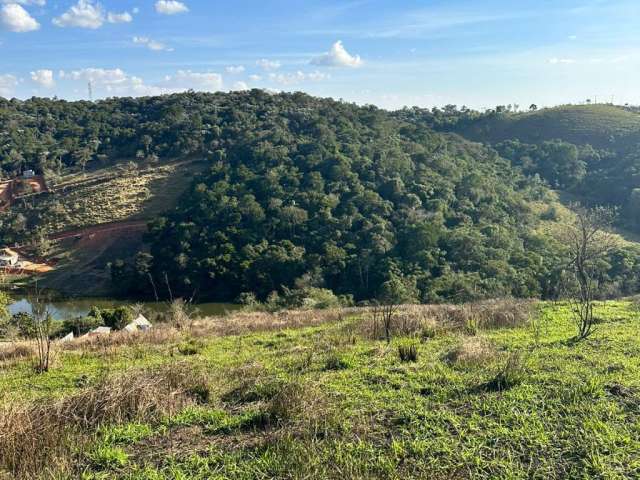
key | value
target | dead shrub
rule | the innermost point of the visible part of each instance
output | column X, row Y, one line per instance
column 40, row 438
column 472, row 351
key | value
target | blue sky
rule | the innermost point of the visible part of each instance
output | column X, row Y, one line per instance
column 389, row 53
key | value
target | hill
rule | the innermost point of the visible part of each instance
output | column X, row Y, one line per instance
column 319, row 394
column 587, row 151
column 293, row 193
column 601, row 126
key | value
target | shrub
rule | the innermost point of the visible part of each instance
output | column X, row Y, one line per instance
column 471, row 351
column 190, row 347
column 512, row 373
column 333, row 361
column 408, row 352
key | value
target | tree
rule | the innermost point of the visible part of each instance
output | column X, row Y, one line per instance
column 533, row 107
column 588, row 244
column 43, row 331
column 396, row 291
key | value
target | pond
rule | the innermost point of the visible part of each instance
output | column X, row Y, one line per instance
column 79, row 307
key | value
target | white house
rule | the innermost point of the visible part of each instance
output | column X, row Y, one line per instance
column 140, row 324
column 99, row 331
column 8, row 258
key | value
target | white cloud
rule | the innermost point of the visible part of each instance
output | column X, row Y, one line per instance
column 255, row 78
column 234, row 69
column 268, row 64
column 186, row 79
column 124, row 17
column 297, row 77
column 84, row 14
column 152, row 44
column 44, row 78
column 135, row 10
column 240, row 86
column 16, row 19
column 338, row 57
column 7, row 84
column 40, row 3
column 116, row 82
column 170, row 7
column 89, row 14
column 573, row 37
column 557, row 61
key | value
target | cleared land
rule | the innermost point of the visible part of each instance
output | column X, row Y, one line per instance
column 492, row 390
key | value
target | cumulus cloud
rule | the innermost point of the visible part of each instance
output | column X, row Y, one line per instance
column 240, row 86
column 89, row 14
column 170, row 7
column 124, row 17
column 287, row 79
column 255, row 78
column 7, row 84
column 338, row 57
column 84, row 14
column 152, row 44
column 186, row 79
column 16, row 19
column 268, row 64
column 44, row 78
column 117, row 82
column 234, row 69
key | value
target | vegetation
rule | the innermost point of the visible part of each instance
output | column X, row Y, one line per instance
column 586, row 150
column 263, row 395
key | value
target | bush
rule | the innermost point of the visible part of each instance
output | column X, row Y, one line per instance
column 511, row 374
column 408, row 352
column 333, row 361
column 81, row 325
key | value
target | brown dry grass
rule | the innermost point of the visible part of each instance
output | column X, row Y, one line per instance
column 43, row 437
column 472, row 351
column 12, row 352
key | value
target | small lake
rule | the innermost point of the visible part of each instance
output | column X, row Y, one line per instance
column 79, row 307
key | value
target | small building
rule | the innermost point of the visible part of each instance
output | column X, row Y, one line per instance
column 67, row 338
column 8, row 258
column 28, row 174
column 140, row 324
column 99, row 331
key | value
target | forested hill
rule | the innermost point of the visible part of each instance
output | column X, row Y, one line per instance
column 589, row 151
column 302, row 192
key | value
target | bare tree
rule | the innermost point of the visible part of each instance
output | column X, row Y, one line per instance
column 588, row 241
column 43, row 329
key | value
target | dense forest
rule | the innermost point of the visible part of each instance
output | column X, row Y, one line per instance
column 590, row 151
column 301, row 192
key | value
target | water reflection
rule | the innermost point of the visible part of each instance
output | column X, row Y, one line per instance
column 79, row 307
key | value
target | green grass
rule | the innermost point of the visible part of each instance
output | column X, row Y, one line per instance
column 322, row 403
column 602, row 126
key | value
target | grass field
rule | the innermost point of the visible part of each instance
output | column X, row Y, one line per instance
column 602, row 126
column 487, row 392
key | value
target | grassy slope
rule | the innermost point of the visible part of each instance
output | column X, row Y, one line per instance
column 603, row 126
column 573, row 413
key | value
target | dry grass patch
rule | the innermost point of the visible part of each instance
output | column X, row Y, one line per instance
column 43, row 437
column 472, row 351
column 13, row 352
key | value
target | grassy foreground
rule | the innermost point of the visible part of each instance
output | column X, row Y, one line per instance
column 495, row 391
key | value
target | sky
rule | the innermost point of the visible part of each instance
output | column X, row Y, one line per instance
column 390, row 53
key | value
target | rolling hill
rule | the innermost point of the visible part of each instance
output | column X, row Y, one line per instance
column 601, row 126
